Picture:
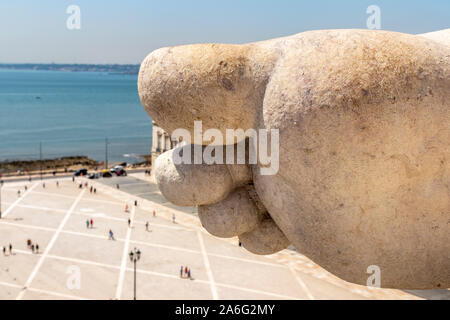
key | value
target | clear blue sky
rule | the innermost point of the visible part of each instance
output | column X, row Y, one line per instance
column 125, row 31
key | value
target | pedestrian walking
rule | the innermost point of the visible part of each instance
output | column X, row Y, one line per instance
column 10, row 248
column 173, row 218
column 181, row 272
column 37, row 248
column 129, row 222
column 4, row 250
column 26, row 188
column 73, row 179
column 80, row 186
column 95, row 191
column 154, row 213
column 87, row 223
column 185, row 269
column 117, row 186
column 135, row 203
column 43, row 185
column 18, row 193
column 146, row 226
column 92, row 223
column 127, row 209
column 92, row 189
column 57, row 184
column 111, row 235
column 189, row 273
column 32, row 248
column 29, row 243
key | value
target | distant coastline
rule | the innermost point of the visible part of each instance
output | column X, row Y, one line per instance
column 19, row 167
column 60, row 165
column 110, row 68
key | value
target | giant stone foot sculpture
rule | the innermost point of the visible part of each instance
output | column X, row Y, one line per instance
column 364, row 155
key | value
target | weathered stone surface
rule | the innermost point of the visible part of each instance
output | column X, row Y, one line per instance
column 364, row 122
column 266, row 239
column 442, row 36
column 235, row 215
column 190, row 185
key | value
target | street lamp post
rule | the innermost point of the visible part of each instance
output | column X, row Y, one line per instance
column 106, row 153
column 40, row 158
column 135, row 255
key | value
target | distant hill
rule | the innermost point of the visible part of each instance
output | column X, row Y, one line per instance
column 111, row 68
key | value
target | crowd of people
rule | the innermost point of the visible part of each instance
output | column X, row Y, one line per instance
column 185, row 272
column 34, row 247
column 8, row 250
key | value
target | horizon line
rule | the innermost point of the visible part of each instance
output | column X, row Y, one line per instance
column 71, row 63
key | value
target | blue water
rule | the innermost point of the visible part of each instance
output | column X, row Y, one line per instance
column 75, row 113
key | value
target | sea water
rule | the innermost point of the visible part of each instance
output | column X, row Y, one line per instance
column 72, row 113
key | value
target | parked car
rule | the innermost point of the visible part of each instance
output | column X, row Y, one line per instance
column 93, row 176
column 116, row 168
column 106, row 174
column 80, row 172
column 121, row 172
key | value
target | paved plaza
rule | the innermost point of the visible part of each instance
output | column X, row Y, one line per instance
column 76, row 262
column 142, row 186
